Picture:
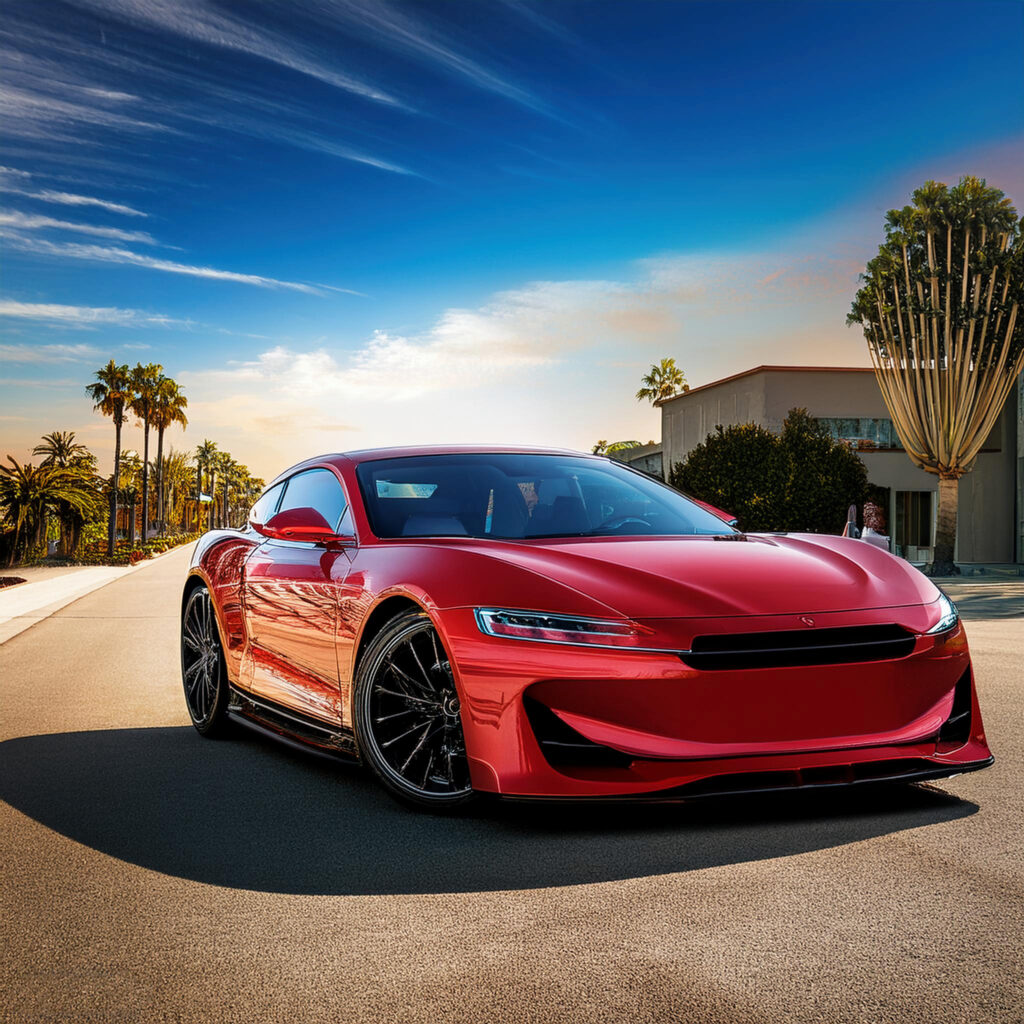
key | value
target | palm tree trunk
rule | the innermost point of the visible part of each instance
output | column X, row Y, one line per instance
column 213, row 499
column 145, row 478
column 112, row 531
column 945, row 527
column 160, row 478
column 224, row 505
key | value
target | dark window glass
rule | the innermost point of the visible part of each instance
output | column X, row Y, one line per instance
column 522, row 496
column 266, row 505
column 318, row 489
column 914, row 519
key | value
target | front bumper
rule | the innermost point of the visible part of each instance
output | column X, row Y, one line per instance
column 544, row 720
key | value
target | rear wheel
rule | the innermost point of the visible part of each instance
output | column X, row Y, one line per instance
column 407, row 716
column 203, row 672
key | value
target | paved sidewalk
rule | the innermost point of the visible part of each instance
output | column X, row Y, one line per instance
column 48, row 588
column 43, row 593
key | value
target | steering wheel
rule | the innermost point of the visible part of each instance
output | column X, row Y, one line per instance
column 617, row 521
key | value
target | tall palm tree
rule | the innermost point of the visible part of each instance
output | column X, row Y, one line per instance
column 130, row 476
column 111, row 393
column 178, row 478
column 169, row 408
column 223, row 465
column 664, row 380
column 939, row 307
column 205, row 455
column 145, row 383
column 230, row 477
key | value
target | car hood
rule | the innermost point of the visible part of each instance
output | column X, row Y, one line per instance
column 748, row 574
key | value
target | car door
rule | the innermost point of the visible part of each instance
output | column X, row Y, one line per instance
column 290, row 603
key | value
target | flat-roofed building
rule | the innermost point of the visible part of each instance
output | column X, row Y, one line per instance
column 848, row 401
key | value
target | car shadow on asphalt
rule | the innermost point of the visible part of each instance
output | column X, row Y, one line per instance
column 248, row 813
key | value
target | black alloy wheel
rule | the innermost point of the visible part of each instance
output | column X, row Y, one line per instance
column 203, row 672
column 407, row 716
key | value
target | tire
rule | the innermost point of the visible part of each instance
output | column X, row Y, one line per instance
column 204, row 675
column 407, row 717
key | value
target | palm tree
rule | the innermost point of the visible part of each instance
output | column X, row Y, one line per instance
column 63, row 452
column 230, row 475
column 939, row 308
column 222, row 465
column 61, row 449
column 178, row 478
column 111, row 392
column 665, row 380
column 206, row 453
column 145, row 383
column 26, row 491
column 169, row 408
column 130, row 476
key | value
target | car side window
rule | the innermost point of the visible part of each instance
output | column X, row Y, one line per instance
column 266, row 505
column 318, row 489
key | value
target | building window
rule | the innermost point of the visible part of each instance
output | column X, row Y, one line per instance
column 863, row 432
column 913, row 519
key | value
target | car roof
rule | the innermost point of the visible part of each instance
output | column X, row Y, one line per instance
column 410, row 451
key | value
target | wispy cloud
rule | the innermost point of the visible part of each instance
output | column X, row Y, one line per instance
column 47, row 353
column 31, row 113
column 127, row 257
column 397, row 30
column 31, row 222
column 16, row 187
column 83, row 316
column 198, row 22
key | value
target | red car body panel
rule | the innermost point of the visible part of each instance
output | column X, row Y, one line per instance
column 293, row 619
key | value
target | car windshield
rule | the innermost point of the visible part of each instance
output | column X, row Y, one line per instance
column 512, row 496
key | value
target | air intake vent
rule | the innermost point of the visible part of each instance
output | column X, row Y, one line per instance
column 793, row 647
column 563, row 746
column 956, row 730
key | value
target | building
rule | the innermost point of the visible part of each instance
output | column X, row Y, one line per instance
column 849, row 402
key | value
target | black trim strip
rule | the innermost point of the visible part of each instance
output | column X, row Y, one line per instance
column 288, row 723
column 688, row 792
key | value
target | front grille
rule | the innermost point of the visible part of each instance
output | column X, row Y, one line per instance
column 563, row 746
column 793, row 647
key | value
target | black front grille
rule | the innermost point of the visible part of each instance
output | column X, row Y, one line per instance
column 792, row 647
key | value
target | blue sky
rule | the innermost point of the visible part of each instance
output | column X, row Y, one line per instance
column 342, row 223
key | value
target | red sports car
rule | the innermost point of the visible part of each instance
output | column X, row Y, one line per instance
column 541, row 623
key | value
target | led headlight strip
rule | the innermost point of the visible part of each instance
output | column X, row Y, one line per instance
column 949, row 616
column 560, row 629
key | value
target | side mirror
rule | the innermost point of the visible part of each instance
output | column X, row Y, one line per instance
column 302, row 524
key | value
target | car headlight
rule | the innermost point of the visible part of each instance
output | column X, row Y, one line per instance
column 561, row 629
column 948, row 615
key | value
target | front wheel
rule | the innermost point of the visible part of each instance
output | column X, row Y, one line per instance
column 407, row 719
column 203, row 671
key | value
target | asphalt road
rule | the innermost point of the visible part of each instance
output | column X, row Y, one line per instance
column 150, row 875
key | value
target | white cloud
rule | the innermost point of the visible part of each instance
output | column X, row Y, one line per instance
column 83, row 316
column 198, row 22
column 47, row 195
column 61, row 198
column 32, row 222
column 75, row 250
column 47, row 353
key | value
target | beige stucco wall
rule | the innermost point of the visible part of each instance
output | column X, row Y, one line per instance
column 990, row 514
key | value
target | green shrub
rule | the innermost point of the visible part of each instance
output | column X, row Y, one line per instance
column 801, row 480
